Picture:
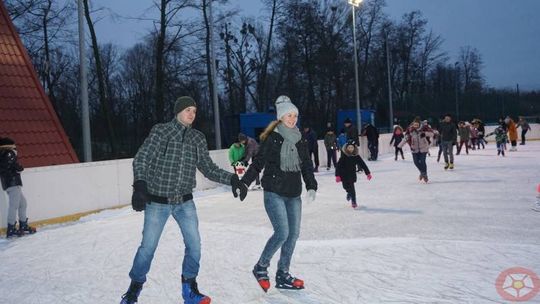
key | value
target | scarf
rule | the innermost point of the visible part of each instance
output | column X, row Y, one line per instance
column 290, row 160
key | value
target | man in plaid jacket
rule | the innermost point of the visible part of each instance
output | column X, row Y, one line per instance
column 164, row 175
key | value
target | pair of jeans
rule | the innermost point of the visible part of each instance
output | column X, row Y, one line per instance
column 155, row 217
column 448, row 147
column 420, row 162
column 17, row 204
column 285, row 214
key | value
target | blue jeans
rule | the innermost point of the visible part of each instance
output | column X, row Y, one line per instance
column 448, row 151
column 285, row 214
column 155, row 217
column 420, row 162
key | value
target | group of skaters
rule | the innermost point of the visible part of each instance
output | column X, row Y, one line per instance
column 472, row 135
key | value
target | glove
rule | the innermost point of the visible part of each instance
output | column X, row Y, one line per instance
column 369, row 176
column 338, row 179
column 423, row 135
column 140, row 195
column 311, row 196
column 238, row 187
column 19, row 168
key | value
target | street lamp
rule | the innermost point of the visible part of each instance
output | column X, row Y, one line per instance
column 456, row 69
column 356, row 3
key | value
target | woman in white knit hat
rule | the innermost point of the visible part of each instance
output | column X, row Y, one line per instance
column 283, row 154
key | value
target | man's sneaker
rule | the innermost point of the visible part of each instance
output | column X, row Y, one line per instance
column 446, row 166
column 348, row 197
column 261, row 274
column 132, row 294
column 191, row 294
column 353, row 204
column 284, row 280
column 451, row 166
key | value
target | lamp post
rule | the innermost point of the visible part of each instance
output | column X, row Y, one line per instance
column 355, row 4
column 456, row 69
column 87, row 142
column 213, row 75
column 390, row 103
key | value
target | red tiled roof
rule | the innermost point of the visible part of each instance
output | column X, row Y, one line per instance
column 26, row 114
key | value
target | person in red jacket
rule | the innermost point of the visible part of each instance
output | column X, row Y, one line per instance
column 346, row 170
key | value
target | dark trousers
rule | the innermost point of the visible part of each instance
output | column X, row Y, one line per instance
column 315, row 153
column 399, row 150
column 330, row 155
column 523, row 132
column 480, row 141
column 461, row 142
column 349, row 187
column 373, row 146
column 420, row 162
column 514, row 143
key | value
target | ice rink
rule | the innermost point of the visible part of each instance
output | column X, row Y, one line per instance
column 442, row 242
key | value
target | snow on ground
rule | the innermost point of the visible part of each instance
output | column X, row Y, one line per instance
column 445, row 242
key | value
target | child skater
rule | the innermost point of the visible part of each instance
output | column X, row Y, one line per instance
column 397, row 137
column 346, row 170
column 500, row 138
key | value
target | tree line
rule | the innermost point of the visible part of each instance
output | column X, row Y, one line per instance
column 300, row 48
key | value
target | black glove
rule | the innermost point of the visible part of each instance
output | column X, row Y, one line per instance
column 19, row 168
column 423, row 135
column 238, row 187
column 140, row 196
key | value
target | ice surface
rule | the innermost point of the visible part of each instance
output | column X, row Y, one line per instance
column 444, row 242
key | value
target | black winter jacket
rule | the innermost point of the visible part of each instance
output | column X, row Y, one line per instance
column 288, row 184
column 371, row 132
column 10, row 169
column 352, row 134
column 311, row 138
column 347, row 164
column 448, row 131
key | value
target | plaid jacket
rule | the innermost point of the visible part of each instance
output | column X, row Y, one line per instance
column 168, row 158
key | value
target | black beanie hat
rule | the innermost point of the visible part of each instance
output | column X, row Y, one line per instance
column 6, row 141
column 182, row 103
column 242, row 137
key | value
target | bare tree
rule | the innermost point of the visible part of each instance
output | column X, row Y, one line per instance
column 471, row 63
column 104, row 101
